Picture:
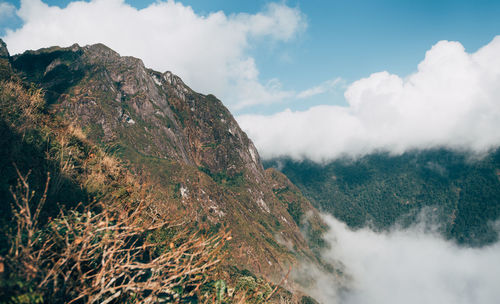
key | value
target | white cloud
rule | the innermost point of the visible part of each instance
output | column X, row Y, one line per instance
column 209, row 52
column 320, row 89
column 408, row 266
column 453, row 100
column 7, row 10
column 277, row 22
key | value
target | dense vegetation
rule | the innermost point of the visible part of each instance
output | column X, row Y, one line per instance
column 457, row 191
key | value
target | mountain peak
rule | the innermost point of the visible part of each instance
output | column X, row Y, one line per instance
column 187, row 144
column 4, row 52
column 5, row 68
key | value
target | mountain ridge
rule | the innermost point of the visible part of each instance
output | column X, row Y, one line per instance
column 187, row 146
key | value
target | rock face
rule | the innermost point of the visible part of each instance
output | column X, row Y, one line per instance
column 187, row 144
column 4, row 53
column 153, row 113
column 5, row 69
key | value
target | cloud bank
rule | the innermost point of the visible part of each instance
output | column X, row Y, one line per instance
column 210, row 52
column 452, row 100
column 409, row 266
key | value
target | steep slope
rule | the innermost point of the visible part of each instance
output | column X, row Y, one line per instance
column 95, row 215
column 186, row 145
column 458, row 192
column 5, row 68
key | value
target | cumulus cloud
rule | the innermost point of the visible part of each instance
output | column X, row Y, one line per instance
column 210, row 52
column 408, row 266
column 452, row 100
column 7, row 10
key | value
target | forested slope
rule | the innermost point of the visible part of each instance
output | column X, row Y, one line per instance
column 457, row 191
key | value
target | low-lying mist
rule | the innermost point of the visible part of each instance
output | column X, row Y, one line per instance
column 411, row 265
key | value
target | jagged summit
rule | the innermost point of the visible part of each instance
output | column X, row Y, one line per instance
column 187, row 144
column 138, row 100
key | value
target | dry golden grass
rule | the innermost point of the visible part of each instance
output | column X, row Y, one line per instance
column 77, row 132
column 102, row 254
column 27, row 101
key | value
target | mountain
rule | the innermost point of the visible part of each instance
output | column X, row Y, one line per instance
column 457, row 191
column 108, row 129
column 5, row 69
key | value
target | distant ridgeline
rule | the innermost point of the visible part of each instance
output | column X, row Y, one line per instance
column 459, row 193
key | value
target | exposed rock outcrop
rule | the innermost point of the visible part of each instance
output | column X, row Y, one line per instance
column 188, row 144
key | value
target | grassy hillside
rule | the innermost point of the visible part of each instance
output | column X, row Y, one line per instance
column 61, row 195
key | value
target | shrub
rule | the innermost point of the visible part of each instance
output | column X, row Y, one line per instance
column 101, row 254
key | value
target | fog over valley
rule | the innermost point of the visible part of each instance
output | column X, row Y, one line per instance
column 412, row 265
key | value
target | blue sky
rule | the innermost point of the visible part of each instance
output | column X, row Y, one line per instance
column 349, row 39
column 306, row 79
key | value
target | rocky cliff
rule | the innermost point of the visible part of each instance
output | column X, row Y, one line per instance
column 186, row 145
column 5, row 69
